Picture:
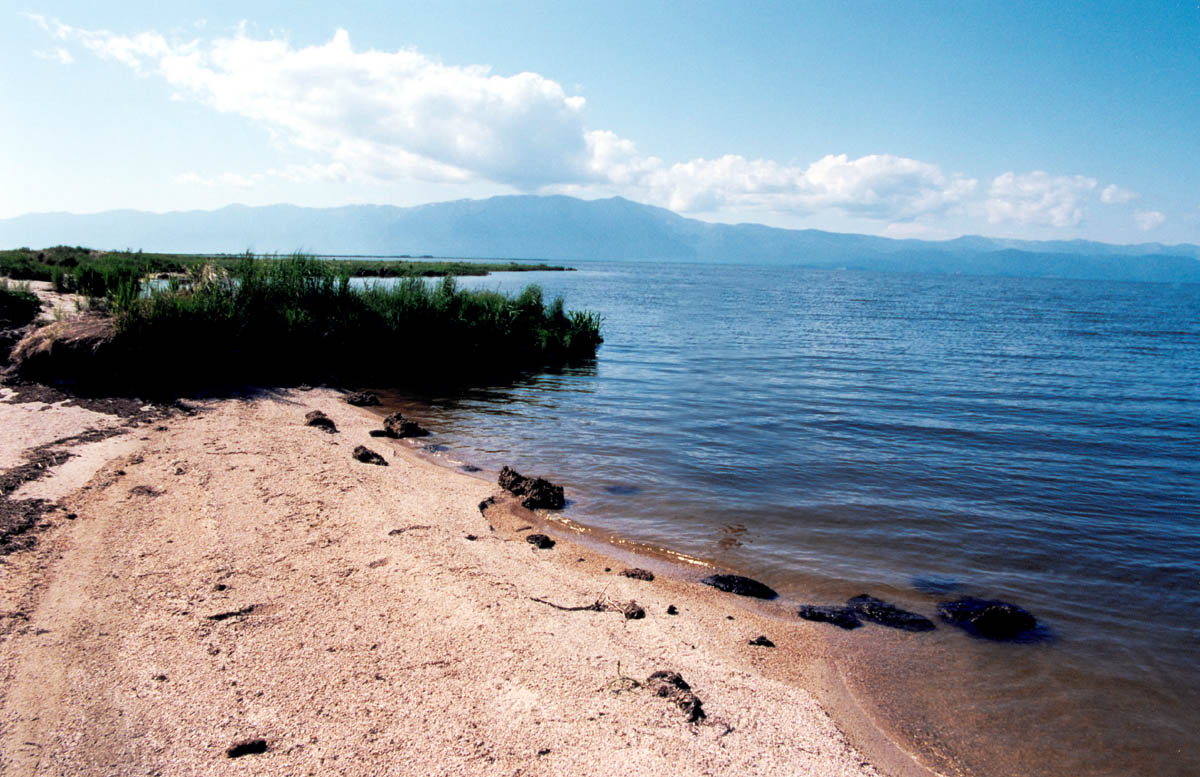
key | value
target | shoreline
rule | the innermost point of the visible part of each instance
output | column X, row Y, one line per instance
column 828, row 682
column 319, row 561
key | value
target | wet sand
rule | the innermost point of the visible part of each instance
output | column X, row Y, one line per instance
column 232, row 575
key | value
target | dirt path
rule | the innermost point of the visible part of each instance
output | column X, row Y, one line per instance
column 239, row 576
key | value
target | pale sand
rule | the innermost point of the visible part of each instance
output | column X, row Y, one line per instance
column 368, row 650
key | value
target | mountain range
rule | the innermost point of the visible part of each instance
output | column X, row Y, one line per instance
column 559, row 228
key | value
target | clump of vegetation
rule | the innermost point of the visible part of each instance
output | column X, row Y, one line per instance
column 299, row 320
column 18, row 305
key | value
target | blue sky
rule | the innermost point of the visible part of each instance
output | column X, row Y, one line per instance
column 907, row 119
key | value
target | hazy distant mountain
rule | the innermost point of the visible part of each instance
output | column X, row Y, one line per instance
column 564, row 228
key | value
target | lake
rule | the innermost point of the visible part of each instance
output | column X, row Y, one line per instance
column 918, row 438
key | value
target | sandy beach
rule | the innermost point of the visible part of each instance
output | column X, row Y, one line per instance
column 220, row 573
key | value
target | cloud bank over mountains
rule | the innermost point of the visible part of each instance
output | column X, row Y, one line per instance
column 385, row 116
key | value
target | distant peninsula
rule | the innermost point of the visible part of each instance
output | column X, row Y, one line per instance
column 559, row 228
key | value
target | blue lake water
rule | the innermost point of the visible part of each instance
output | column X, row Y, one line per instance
column 835, row 433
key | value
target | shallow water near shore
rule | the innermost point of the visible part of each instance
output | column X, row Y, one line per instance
column 913, row 437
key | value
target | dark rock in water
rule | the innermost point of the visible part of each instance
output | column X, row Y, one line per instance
column 669, row 685
column 434, row 447
column 988, row 618
column 842, row 617
column 622, row 490
column 538, row 492
column 672, row 610
column 540, row 541
column 396, row 425
column 878, row 611
column 542, row 493
column 938, row 585
column 742, row 586
column 638, row 574
column 320, row 420
column 762, row 641
column 362, row 399
column 469, row 468
column 368, row 456
column 247, row 747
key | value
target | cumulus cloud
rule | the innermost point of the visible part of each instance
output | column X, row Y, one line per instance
column 878, row 186
column 1147, row 220
column 384, row 115
column 1038, row 198
column 1115, row 195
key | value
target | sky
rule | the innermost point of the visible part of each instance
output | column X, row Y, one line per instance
column 907, row 119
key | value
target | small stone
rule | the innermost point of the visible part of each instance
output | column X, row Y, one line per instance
column 540, row 541
column 762, row 641
column 471, row 537
column 247, row 747
column 672, row 610
column 362, row 399
column 670, row 685
column 367, row 456
column 637, row 574
column 396, row 425
column 319, row 420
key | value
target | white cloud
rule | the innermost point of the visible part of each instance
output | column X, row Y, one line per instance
column 380, row 116
column 1115, row 195
column 59, row 55
column 875, row 186
column 1038, row 198
column 1147, row 220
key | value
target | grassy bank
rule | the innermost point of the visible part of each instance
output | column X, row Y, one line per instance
column 79, row 268
column 299, row 320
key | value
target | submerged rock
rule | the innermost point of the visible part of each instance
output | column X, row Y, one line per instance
column 938, row 585
column 396, row 425
column 742, row 586
column 842, row 617
column 368, row 456
column 878, row 611
column 988, row 618
column 537, row 492
column 320, row 420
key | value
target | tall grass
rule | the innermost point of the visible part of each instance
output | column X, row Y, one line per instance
column 297, row 319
